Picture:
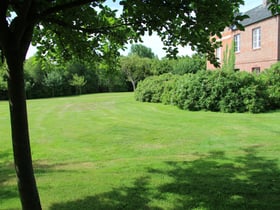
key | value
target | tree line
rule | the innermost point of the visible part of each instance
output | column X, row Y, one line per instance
column 44, row 78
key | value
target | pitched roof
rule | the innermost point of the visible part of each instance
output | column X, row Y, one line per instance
column 257, row 14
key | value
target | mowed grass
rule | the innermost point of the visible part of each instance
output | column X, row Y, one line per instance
column 107, row 151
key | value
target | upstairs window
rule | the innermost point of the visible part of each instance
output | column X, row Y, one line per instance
column 219, row 54
column 256, row 38
column 237, row 43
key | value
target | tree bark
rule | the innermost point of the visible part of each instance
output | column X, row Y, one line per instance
column 29, row 195
column 133, row 85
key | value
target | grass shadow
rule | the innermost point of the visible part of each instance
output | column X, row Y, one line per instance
column 133, row 197
column 8, row 185
column 215, row 182
column 7, row 172
column 211, row 182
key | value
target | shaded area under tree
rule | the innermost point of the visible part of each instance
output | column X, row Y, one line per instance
column 210, row 182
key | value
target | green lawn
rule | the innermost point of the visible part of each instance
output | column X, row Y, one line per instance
column 107, row 151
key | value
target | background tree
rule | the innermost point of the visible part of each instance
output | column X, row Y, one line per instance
column 111, row 78
column 90, row 29
column 187, row 64
column 78, row 82
column 80, row 67
column 135, row 68
column 3, row 81
column 162, row 66
column 142, row 51
column 53, row 80
column 34, row 76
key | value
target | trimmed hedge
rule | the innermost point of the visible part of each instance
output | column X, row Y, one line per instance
column 218, row 90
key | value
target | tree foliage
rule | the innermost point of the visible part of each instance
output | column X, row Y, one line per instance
column 135, row 68
column 3, row 81
column 78, row 82
column 188, row 22
column 274, row 6
column 229, row 58
column 53, row 80
column 187, row 64
column 141, row 51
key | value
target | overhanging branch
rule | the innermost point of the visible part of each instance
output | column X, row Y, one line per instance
column 61, row 7
column 103, row 29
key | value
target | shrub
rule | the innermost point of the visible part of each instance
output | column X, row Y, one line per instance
column 169, row 95
column 225, row 91
column 271, row 80
column 151, row 89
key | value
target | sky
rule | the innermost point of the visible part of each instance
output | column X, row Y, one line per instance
column 154, row 41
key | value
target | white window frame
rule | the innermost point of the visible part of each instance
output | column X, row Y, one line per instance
column 256, row 38
column 237, row 43
column 219, row 54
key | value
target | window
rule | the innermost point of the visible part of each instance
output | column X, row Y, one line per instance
column 256, row 38
column 237, row 43
column 256, row 70
column 219, row 53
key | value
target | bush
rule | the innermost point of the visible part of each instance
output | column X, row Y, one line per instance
column 169, row 95
column 224, row 91
column 151, row 89
column 271, row 80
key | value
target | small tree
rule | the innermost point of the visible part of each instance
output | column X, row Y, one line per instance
column 229, row 58
column 135, row 68
column 78, row 82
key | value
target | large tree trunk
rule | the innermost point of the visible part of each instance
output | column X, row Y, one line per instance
column 20, row 134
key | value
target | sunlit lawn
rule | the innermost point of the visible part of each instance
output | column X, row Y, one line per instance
column 107, row 151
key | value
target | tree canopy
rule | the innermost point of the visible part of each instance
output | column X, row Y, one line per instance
column 141, row 51
column 90, row 29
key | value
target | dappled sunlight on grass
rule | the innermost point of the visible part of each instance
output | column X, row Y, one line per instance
column 210, row 182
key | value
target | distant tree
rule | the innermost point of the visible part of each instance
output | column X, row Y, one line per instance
column 187, row 64
column 53, row 80
column 34, row 76
column 33, row 69
column 86, row 68
column 161, row 66
column 141, row 51
column 135, row 68
column 78, row 82
column 3, row 83
column 3, row 78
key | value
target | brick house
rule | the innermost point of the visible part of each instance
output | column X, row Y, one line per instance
column 258, row 46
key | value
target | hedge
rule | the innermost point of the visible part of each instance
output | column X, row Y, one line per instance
column 224, row 91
